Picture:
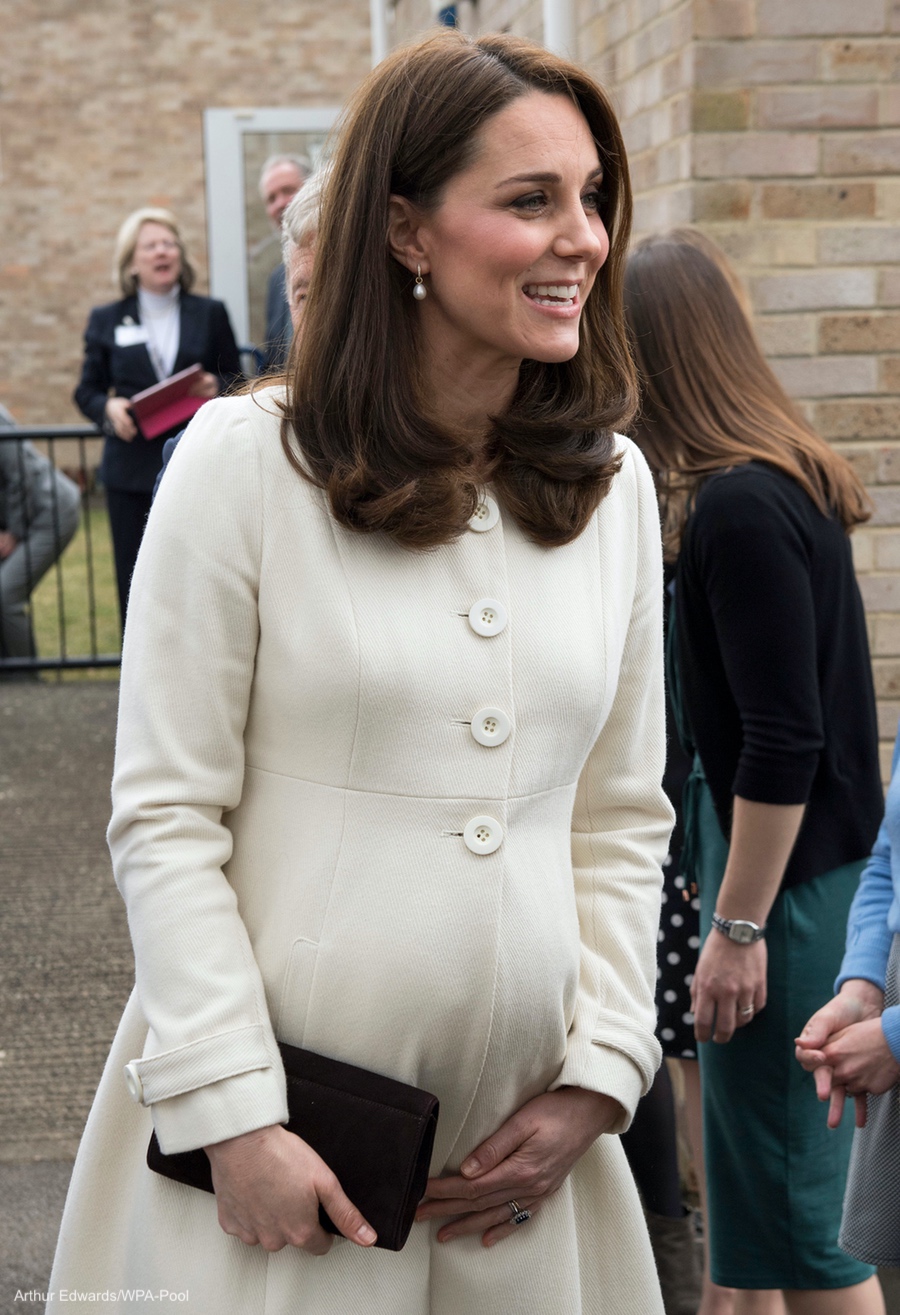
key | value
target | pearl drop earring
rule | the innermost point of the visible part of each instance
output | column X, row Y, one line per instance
column 420, row 292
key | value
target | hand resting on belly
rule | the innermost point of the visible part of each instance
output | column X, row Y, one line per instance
column 526, row 1160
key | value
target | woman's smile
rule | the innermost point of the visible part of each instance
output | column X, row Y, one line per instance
column 559, row 297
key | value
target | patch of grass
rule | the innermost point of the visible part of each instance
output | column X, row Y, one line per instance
column 45, row 608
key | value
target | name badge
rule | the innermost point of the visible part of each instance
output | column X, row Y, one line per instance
column 130, row 335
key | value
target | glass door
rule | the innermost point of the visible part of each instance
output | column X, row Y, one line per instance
column 243, row 246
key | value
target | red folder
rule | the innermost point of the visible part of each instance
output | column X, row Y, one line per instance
column 167, row 404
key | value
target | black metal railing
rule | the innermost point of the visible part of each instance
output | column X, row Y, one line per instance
column 48, row 498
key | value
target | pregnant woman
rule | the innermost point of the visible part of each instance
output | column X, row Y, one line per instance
column 391, row 739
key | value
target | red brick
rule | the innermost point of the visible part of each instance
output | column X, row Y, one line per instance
column 861, row 153
column 725, row 64
column 802, row 18
column 786, row 335
column 888, row 717
column 863, row 421
column 858, row 244
column 823, row 107
column 864, row 461
column 887, row 677
column 818, row 200
column 886, row 636
column 816, row 290
column 827, row 376
column 862, row 544
column 880, row 593
column 887, row 199
column 767, row 244
column 888, row 465
column 721, row 200
column 720, row 111
column 860, row 61
column 859, row 333
column 755, row 154
column 723, row 18
column 889, row 106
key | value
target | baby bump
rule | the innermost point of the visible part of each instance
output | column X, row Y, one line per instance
column 433, row 958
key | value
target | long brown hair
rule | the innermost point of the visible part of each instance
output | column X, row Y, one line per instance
column 709, row 400
column 355, row 392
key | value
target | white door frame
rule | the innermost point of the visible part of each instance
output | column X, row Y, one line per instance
column 223, row 131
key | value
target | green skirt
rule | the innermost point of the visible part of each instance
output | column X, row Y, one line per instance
column 775, row 1173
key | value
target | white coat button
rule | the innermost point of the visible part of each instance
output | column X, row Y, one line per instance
column 491, row 726
column 133, row 1083
column 483, row 835
column 487, row 617
column 485, row 516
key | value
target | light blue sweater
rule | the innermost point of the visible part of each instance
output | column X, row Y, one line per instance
column 875, row 911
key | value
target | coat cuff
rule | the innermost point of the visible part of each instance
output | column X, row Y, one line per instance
column 867, row 958
column 224, row 1109
column 890, row 1024
column 172, row 1072
column 598, row 1067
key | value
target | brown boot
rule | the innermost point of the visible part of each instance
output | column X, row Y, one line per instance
column 677, row 1252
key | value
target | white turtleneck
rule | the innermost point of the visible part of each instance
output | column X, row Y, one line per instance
column 159, row 312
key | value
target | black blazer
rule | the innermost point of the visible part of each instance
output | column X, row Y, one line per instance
column 207, row 338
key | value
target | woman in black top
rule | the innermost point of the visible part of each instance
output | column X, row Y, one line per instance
column 772, row 682
column 157, row 328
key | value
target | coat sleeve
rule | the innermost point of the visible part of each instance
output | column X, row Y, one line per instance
column 869, row 937
column 210, row 1067
column 96, row 375
column 621, row 825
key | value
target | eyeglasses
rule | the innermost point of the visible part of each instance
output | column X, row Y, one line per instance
column 160, row 244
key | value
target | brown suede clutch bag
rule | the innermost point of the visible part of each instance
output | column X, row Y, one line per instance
column 374, row 1133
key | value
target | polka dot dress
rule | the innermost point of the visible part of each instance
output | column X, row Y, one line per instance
column 679, row 945
column 679, row 928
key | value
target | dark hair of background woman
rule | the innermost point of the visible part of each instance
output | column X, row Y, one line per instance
column 709, row 400
column 355, row 393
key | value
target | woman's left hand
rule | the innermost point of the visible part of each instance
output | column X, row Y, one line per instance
column 526, row 1160
column 205, row 385
column 729, row 981
column 860, row 1059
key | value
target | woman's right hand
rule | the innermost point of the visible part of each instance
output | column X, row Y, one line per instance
column 119, row 416
column 858, row 1001
column 269, row 1184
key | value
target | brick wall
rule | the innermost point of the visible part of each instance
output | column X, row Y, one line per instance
column 101, row 105
column 796, row 152
column 641, row 50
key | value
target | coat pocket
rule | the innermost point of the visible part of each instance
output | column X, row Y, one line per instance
column 295, row 992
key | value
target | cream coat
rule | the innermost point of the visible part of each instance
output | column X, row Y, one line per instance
column 295, row 771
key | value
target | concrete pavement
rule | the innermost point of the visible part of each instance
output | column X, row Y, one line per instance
column 66, row 966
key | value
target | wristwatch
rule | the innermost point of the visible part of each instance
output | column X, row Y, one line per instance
column 738, row 929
